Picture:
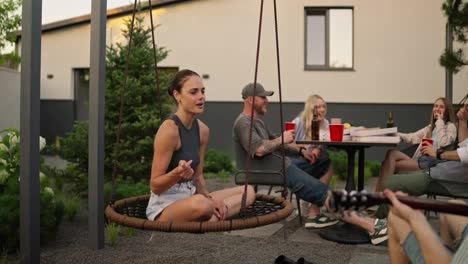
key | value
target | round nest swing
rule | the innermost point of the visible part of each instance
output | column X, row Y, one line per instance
column 131, row 211
column 266, row 210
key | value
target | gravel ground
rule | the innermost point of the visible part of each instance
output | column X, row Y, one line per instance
column 70, row 246
column 157, row 247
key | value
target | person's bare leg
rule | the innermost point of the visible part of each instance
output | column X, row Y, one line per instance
column 313, row 210
column 388, row 166
column 406, row 165
column 398, row 230
column 194, row 208
column 452, row 226
column 232, row 197
column 353, row 218
column 328, row 175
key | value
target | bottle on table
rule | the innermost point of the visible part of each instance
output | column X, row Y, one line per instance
column 315, row 126
column 390, row 122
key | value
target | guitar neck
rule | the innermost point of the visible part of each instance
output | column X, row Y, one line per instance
column 423, row 204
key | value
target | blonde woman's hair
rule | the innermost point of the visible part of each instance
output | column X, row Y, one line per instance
column 449, row 115
column 307, row 114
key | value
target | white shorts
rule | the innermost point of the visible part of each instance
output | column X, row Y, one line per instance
column 157, row 203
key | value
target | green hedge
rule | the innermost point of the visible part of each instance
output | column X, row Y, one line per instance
column 340, row 165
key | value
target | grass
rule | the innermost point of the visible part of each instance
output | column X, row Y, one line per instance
column 71, row 206
column 130, row 231
column 222, row 176
column 112, row 233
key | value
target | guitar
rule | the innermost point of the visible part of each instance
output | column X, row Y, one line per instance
column 359, row 200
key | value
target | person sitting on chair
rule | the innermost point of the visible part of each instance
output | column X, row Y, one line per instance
column 265, row 154
column 441, row 130
column 314, row 159
column 448, row 178
column 178, row 189
column 412, row 239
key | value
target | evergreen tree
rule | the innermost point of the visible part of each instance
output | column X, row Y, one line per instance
column 10, row 21
column 457, row 17
column 140, row 117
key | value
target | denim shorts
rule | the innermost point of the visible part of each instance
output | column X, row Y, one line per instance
column 157, row 203
column 305, row 187
column 413, row 251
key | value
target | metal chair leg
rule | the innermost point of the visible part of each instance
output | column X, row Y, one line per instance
column 299, row 209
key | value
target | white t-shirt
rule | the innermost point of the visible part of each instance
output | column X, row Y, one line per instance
column 463, row 151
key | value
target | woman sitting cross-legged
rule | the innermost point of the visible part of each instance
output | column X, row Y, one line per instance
column 178, row 189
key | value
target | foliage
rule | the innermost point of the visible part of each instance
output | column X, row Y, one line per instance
column 457, row 17
column 130, row 231
column 11, row 60
column 223, row 176
column 71, row 205
column 340, row 165
column 51, row 209
column 71, row 180
column 75, row 145
column 140, row 117
column 216, row 161
column 10, row 21
column 125, row 188
column 112, row 233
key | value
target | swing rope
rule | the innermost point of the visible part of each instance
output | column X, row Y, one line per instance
column 122, row 101
column 131, row 211
column 283, row 152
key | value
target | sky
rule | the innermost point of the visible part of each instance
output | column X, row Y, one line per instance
column 56, row 10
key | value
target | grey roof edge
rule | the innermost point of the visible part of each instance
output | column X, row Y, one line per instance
column 119, row 11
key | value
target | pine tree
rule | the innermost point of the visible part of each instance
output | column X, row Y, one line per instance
column 140, row 117
column 457, row 17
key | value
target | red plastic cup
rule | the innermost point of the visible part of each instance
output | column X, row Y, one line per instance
column 336, row 132
column 290, row 126
column 428, row 140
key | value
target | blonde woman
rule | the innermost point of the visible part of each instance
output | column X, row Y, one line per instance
column 441, row 130
column 314, row 159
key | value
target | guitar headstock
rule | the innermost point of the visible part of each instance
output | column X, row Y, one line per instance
column 353, row 200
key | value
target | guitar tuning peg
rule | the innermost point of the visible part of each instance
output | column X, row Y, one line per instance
column 364, row 199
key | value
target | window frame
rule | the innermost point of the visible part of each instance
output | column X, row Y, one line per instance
column 324, row 10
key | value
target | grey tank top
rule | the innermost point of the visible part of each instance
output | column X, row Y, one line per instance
column 190, row 145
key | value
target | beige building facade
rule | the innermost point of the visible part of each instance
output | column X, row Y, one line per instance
column 395, row 47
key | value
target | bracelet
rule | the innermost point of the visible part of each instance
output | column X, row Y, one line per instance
column 439, row 153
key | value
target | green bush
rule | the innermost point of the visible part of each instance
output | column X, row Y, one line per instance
column 140, row 118
column 125, row 188
column 112, row 233
column 340, row 165
column 71, row 205
column 51, row 212
column 216, row 161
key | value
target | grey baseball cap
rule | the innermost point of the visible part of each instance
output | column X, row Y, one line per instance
column 259, row 91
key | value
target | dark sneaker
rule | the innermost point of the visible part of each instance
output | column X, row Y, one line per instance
column 380, row 233
column 320, row 221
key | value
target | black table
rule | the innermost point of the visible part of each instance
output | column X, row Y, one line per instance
column 344, row 232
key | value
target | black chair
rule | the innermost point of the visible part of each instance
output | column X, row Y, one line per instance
column 268, row 178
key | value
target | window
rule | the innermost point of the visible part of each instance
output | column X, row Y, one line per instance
column 328, row 38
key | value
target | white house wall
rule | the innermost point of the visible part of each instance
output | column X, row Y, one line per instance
column 10, row 99
column 397, row 44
